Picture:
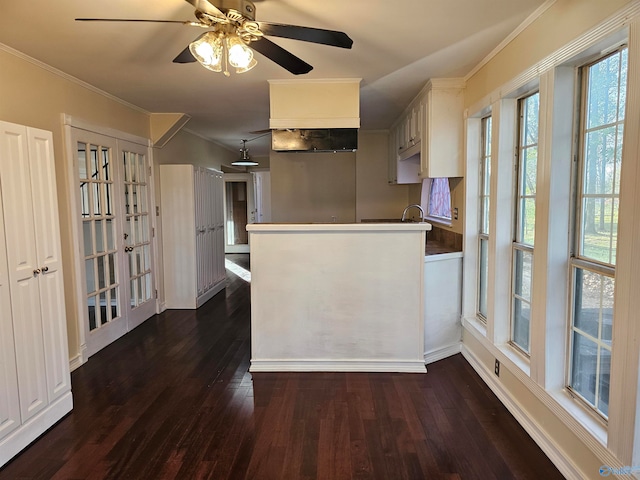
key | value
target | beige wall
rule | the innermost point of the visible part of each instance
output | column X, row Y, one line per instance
column 37, row 97
column 314, row 187
column 187, row 148
column 375, row 198
column 561, row 23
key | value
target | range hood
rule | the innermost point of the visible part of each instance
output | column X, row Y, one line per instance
column 315, row 140
column 314, row 115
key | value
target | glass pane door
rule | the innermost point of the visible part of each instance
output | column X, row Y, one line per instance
column 137, row 232
column 103, row 316
column 114, row 236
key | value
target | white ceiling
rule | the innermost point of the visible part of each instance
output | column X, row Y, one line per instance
column 398, row 46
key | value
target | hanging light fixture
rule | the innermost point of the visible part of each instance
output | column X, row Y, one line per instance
column 245, row 159
column 221, row 47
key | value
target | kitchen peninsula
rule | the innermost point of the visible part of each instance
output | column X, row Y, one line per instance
column 337, row 297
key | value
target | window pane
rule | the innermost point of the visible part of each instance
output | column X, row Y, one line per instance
column 483, row 277
column 603, row 378
column 82, row 160
column 593, row 304
column 521, row 315
column 585, row 364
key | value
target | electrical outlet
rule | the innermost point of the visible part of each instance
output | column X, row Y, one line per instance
column 497, row 368
column 455, row 213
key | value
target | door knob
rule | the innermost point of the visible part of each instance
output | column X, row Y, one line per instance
column 45, row 269
column 36, row 272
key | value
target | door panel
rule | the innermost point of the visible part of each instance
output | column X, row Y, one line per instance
column 103, row 319
column 45, row 215
column 9, row 402
column 137, row 239
column 23, row 270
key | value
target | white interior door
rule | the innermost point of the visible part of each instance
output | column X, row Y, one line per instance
column 113, row 204
column 140, row 293
column 239, row 210
column 262, row 182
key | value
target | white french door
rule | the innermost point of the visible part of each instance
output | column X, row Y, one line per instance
column 113, row 203
column 137, row 232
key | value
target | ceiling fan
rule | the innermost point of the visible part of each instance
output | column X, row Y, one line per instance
column 232, row 27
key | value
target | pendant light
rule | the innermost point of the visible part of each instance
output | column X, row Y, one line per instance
column 245, row 159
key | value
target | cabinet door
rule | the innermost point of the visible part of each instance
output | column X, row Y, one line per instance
column 393, row 157
column 23, row 269
column 9, row 401
column 47, row 230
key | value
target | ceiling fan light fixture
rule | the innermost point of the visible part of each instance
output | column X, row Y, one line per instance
column 208, row 50
column 240, row 55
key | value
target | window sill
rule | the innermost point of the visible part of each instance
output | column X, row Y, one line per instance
column 438, row 221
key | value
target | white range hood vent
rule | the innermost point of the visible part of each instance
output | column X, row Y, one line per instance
column 314, row 104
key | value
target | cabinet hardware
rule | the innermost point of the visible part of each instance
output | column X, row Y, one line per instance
column 36, row 272
column 45, row 269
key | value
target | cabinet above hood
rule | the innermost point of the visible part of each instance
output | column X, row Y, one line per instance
column 314, row 104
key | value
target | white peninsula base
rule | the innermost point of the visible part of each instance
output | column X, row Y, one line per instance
column 337, row 297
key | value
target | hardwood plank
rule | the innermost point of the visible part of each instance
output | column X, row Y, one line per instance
column 173, row 399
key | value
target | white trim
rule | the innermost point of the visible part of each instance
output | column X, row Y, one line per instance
column 442, row 353
column 106, row 131
column 76, row 362
column 311, row 123
column 509, row 38
column 582, row 423
column 70, row 78
column 204, row 298
column 610, row 26
column 296, row 81
column 330, row 365
column 20, row 438
column 536, row 431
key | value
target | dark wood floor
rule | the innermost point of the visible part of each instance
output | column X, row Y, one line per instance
column 174, row 399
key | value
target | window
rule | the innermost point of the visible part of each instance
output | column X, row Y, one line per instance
column 483, row 244
column 594, row 258
column 524, row 231
column 440, row 198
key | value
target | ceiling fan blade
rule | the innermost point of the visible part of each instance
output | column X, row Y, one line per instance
column 208, row 8
column 307, row 34
column 281, row 56
column 185, row 57
column 185, row 22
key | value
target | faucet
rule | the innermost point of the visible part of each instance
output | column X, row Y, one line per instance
column 404, row 214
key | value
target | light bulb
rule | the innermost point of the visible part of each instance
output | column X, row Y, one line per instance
column 207, row 49
column 240, row 56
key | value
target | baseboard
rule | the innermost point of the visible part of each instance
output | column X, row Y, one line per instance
column 307, row 365
column 442, row 353
column 22, row 437
column 202, row 299
column 76, row 362
column 535, row 431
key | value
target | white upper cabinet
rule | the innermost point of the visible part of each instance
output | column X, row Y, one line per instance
column 426, row 141
column 441, row 152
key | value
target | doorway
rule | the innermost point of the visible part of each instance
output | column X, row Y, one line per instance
column 239, row 211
